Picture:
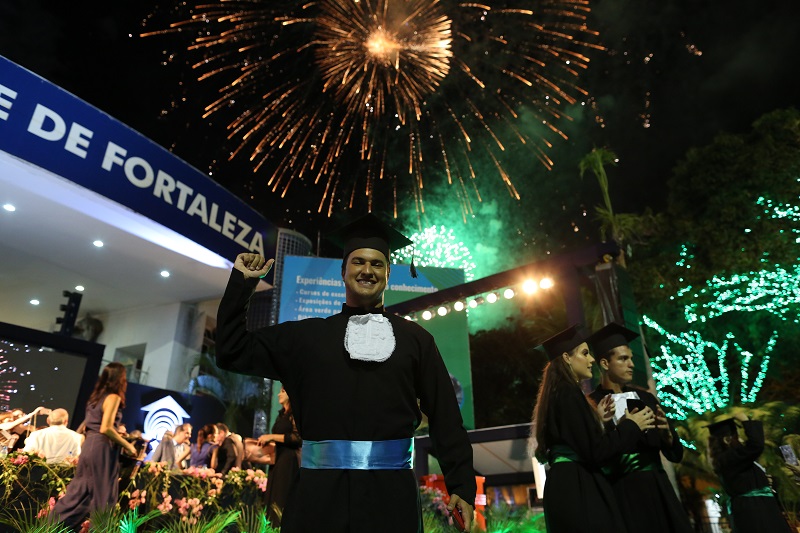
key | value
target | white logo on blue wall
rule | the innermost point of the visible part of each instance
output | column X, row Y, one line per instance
column 162, row 415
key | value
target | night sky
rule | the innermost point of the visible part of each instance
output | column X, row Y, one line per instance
column 674, row 74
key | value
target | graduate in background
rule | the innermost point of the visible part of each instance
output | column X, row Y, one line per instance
column 569, row 435
column 753, row 506
column 644, row 493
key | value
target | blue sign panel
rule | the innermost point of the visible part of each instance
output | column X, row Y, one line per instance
column 313, row 286
column 54, row 130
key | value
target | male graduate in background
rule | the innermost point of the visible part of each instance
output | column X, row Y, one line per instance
column 643, row 490
column 354, row 379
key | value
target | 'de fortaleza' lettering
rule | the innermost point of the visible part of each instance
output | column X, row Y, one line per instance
column 47, row 124
column 176, row 193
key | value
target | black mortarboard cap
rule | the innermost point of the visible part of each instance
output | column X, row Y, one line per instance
column 371, row 232
column 723, row 428
column 564, row 341
column 609, row 337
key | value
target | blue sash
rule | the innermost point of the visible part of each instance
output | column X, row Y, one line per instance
column 358, row 454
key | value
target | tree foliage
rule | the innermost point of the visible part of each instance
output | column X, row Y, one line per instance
column 724, row 262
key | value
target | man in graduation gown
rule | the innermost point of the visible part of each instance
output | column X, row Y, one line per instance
column 355, row 379
column 643, row 490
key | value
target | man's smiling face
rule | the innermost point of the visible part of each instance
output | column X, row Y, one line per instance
column 365, row 275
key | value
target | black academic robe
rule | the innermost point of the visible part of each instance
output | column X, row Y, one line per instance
column 337, row 398
column 577, row 496
column 283, row 472
column 644, row 493
column 226, row 455
column 739, row 475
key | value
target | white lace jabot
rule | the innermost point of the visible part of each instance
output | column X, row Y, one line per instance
column 369, row 338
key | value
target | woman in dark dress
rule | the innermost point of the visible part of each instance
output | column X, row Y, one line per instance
column 287, row 459
column 96, row 482
column 753, row 508
column 568, row 434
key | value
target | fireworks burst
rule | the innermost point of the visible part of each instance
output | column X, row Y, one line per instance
column 366, row 96
column 439, row 247
column 8, row 383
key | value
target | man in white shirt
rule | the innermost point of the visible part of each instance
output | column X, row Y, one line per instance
column 56, row 442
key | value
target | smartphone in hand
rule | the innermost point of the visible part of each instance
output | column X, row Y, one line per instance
column 633, row 403
column 788, row 455
column 458, row 518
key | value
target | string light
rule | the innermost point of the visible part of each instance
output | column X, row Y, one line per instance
column 684, row 380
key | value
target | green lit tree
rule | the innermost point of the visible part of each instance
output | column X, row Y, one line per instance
column 719, row 283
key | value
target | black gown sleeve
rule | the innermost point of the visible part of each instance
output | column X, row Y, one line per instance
column 451, row 444
column 291, row 438
column 656, row 439
column 228, row 453
column 579, row 428
column 261, row 353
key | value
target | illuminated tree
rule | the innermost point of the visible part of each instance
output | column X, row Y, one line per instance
column 732, row 294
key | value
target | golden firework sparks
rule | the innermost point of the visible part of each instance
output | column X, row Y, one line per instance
column 359, row 96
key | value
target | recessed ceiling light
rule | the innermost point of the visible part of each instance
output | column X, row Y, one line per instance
column 98, row 243
column 164, row 273
column 9, row 207
column 34, row 302
column 80, row 288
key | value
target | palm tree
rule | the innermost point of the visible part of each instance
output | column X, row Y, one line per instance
column 622, row 228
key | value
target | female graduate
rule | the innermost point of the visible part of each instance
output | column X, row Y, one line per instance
column 568, row 434
column 753, row 506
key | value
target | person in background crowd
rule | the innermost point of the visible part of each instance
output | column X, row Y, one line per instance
column 56, row 442
column 644, row 493
column 287, row 459
column 14, row 428
column 95, row 485
column 227, row 451
column 569, row 435
column 205, row 447
column 174, row 447
column 753, row 506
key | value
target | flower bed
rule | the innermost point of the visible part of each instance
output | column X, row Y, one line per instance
column 156, row 499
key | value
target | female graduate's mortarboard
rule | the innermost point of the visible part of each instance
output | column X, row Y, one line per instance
column 564, row 341
column 723, row 428
column 609, row 337
column 370, row 232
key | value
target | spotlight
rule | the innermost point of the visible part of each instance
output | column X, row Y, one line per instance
column 442, row 310
column 491, row 297
column 459, row 306
column 427, row 315
column 546, row 283
column 530, row 286
column 508, row 294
